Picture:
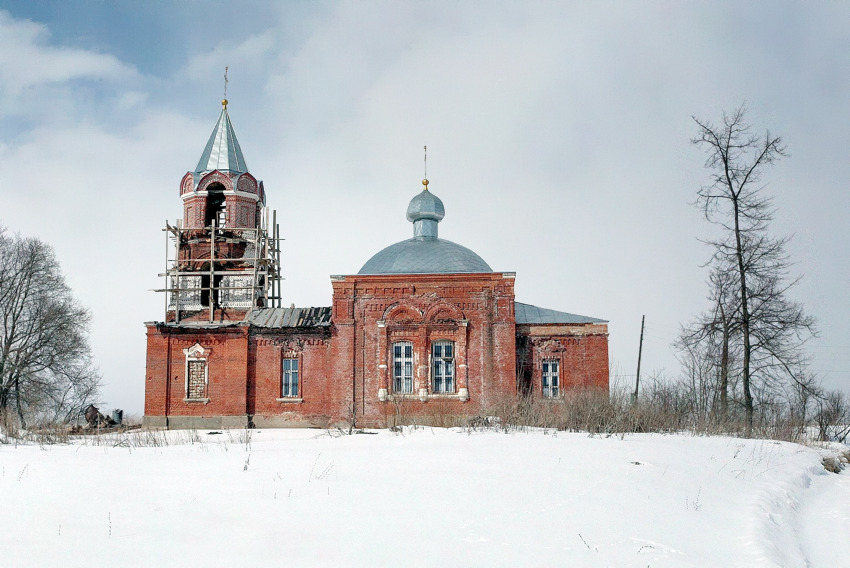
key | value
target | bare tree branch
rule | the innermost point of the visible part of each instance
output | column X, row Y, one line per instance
column 45, row 361
column 751, row 327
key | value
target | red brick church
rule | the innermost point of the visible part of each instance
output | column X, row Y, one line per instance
column 426, row 331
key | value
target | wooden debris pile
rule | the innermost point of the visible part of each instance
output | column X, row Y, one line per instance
column 94, row 418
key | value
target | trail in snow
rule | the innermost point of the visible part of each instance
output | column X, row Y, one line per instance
column 825, row 521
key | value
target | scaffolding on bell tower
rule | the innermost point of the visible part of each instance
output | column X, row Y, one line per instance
column 221, row 272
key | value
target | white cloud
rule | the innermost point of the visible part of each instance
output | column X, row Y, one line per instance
column 558, row 139
column 36, row 77
column 249, row 52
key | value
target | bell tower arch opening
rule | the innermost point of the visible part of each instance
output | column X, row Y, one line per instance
column 216, row 209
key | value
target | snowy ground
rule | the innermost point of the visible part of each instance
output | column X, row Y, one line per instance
column 427, row 497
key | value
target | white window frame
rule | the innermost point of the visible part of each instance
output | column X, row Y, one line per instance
column 441, row 381
column 286, row 376
column 402, row 360
column 550, row 377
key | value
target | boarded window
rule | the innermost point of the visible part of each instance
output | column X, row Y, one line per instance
column 197, row 383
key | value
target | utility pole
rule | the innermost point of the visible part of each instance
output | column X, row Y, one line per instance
column 640, row 351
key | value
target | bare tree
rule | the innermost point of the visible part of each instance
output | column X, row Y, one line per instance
column 771, row 328
column 45, row 360
column 832, row 415
column 710, row 342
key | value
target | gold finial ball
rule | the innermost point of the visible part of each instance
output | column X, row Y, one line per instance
column 223, row 103
column 425, row 183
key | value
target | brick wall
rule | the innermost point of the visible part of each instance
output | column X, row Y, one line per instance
column 474, row 311
column 315, row 404
column 580, row 349
column 349, row 365
column 226, row 355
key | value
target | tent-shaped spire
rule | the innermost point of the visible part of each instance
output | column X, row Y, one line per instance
column 222, row 152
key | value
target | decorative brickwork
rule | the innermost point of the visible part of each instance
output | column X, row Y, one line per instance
column 187, row 184
column 435, row 347
column 347, row 371
column 247, row 184
column 215, row 177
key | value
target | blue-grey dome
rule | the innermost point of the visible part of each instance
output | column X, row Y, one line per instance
column 426, row 205
column 425, row 253
column 425, row 256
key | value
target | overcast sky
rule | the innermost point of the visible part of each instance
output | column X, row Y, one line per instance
column 558, row 138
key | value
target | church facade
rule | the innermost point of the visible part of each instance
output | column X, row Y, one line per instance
column 425, row 332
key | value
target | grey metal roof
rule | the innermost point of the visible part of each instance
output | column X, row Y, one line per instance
column 425, row 256
column 526, row 314
column 425, row 253
column 290, row 317
column 426, row 205
column 222, row 152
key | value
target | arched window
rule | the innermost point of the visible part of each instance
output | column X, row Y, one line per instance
column 443, row 367
column 215, row 206
column 403, row 367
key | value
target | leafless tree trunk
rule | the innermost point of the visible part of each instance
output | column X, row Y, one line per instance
column 712, row 336
column 45, row 363
column 771, row 328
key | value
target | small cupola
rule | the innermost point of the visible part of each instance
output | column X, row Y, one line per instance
column 425, row 211
column 425, row 253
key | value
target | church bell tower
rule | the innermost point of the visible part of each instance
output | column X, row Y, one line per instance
column 226, row 255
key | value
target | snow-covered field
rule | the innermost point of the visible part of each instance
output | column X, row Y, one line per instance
column 424, row 497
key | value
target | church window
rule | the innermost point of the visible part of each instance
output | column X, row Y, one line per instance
column 196, row 379
column 442, row 367
column 403, row 367
column 550, row 378
column 216, row 210
column 289, row 382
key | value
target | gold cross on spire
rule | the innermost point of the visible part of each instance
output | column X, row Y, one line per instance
column 224, row 100
column 425, row 181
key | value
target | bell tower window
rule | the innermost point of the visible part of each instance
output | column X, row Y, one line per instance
column 215, row 210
